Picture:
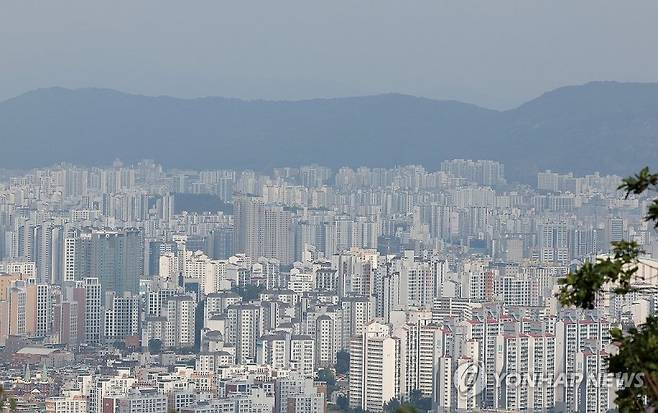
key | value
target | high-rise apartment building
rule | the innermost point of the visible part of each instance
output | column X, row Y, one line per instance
column 420, row 349
column 114, row 257
column 88, row 294
column 278, row 234
column 244, row 327
column 248, row 216
column 373, row 368
column 121, row 316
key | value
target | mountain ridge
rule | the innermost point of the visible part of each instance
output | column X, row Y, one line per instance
column 574, row 128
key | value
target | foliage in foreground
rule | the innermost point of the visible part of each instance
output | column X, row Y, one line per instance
column 617, row 275
column 416, row 403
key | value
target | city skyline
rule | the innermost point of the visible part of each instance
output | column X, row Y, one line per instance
column 435, row 206
column 310, row 284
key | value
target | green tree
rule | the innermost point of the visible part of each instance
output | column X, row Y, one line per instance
column 637, row 358
column 249, row 292
column 342, row 362
column 343, row 403
column 421, row 403
column 13, row 404
column 3, row 397
column 415, row 403
column 406, row 408
column 155, row 346
column 415, row 396
column 392, row 405
column 395, row 406
column 328, row 376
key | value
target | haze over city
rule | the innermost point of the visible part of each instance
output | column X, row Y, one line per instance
column 328, row 207
column 497, row 54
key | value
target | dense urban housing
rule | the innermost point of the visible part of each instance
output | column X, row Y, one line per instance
column 133, row 288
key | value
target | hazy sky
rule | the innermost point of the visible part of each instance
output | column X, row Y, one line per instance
column 496, row 53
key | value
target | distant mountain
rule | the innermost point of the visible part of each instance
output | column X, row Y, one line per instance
column 601, row 126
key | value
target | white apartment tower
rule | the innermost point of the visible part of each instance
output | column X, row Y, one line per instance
column 576, row 333
column 122, row 317
column 244, row 327
column 373, row 367
column 531, row 359
column 180, row 315
column 93, row 311
column 302, row 354
column 420, row 350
